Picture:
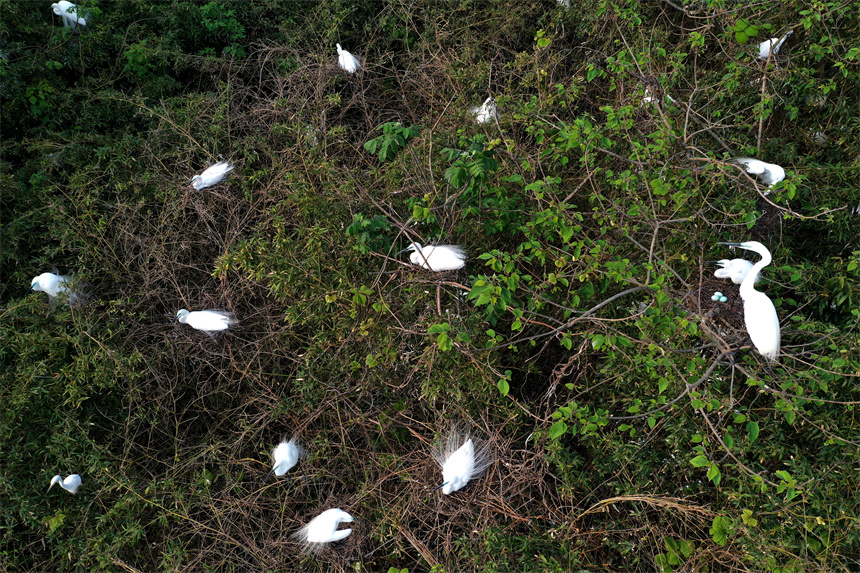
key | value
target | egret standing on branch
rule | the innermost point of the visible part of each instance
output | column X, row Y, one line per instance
column 347, row 61
column 206, row 320
column 323, row 529
column 70, row 484
column 460, row 463
column 769, row 173
column 286, row 455
column 437, row 258
column 69, row 13
column 212, row 176
column 759, row 312
column 54, row 285
column 772, row 46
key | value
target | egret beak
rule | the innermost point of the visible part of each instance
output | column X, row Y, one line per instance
column 713, row 262
column 175, row 318
column 439, row 487
column 406, row 249
column 270, row 473
column 50, row 486
column 731, row 244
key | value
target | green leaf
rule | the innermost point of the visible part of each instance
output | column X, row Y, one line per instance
column 699, row 461
column 557, row 429
column 439, row 328
column 503, row 386
column 752, row 430
column 720, row 530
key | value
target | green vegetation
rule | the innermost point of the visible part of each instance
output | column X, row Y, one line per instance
column 580, row 340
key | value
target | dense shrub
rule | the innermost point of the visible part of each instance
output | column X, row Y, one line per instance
column 634, row 426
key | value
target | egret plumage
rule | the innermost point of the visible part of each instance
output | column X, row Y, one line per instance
column 735, row 269
column 323, row 529
column 347, row 61
column 486, row 112
column 70, row 484
column 772, row 46
column 69, row 13
column 759, row 313
column 286, row 455
column 54, row 285
column 212, row 176
column 206, row 320
column 460, row 462
column 437, row 258
column 768, row 173
column 649, row 97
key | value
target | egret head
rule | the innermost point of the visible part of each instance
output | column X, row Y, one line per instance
column 344, row 517
column 181, row 315
column 195, row 181
column 56, row 479
column 57, row 9
column 748, row 245
column 410, row 248
column 339, row 49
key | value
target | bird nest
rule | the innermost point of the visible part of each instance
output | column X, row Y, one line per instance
column 729, row 314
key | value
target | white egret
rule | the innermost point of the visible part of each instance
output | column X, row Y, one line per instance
column 70, row 484
column 437, row 258
column 212, row 176
column 286, row 455
column 735, row 269
column 486, row 112
column 649, row 98
column 759, row 312
column 347, row 61
column 54, row 285
column 323, row 529
column 772, row 46
column 206, row 320
column 460, row 463
column 69, row 13
column 769, row 173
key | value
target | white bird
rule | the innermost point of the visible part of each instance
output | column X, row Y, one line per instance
column 649, row 98
column 70, row 484
column 323, row 529
column 437, row 258
column 69, row 13
column 772, row 46
column 212, row 176
column 759, row 313
column 206, row 320
column 347, row 61
column 54, row 285
column 769, row 173
column 735, row 269
column 286, row 455
column 460, row 463
column 485, row 112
